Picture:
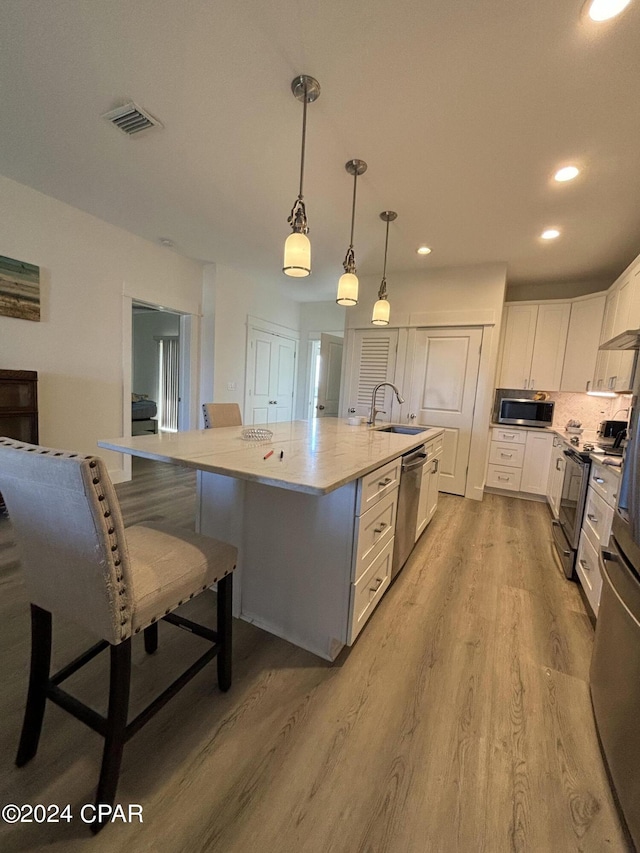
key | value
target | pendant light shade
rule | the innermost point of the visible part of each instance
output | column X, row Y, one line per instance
column 382, row 309
column 347, row 289
column 381, row 312
column 297, row 255
column 348, row 283
column 297, row 248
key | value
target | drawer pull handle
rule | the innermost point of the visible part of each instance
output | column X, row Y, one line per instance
column 383, row 524
column 503, row 478
column 599, row 480
column 558, row 464
column 585, row 565
column 385, row 482
column 436, row 466
column 379, row 582
column 592, row 517
column 506, row 455
column 509, row 434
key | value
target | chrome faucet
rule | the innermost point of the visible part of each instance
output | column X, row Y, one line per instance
column 374, row 411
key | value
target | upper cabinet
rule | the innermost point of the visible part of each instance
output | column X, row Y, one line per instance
column 534, row 341
column 583, row 341
column 614, row 369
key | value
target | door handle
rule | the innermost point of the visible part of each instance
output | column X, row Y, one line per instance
column 412, row 416
column 320, row 406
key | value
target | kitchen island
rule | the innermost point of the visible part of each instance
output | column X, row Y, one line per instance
column 314, row 522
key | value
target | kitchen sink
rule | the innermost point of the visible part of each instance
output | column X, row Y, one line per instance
column 403, row 430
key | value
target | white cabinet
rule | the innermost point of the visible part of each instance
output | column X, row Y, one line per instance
column 604, row 482
column 534, row 344
column 614, row 370
column 429, row 486
column 583, row 340
column 556, row 476
column 535, row 468
column 519, row 460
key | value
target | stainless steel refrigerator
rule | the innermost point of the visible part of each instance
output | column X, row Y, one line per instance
column 615, row 666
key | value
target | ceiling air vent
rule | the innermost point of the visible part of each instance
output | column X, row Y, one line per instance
column 131, row 119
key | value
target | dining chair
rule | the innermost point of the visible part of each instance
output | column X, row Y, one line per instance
column 221, row 415
column 80, row 563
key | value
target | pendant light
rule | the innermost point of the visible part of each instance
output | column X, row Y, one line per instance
column 382, row 309
column 297, row 248
column 348, row 282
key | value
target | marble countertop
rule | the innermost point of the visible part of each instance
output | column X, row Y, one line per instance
column 320, row 455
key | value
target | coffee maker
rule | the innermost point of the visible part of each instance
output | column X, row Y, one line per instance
column 609, row 431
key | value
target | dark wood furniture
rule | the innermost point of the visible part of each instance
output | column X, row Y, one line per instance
column 19, row 407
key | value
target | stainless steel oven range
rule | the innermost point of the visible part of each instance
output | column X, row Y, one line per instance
column 566, row 529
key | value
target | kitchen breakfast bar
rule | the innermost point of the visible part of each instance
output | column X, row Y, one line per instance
column 314, row 521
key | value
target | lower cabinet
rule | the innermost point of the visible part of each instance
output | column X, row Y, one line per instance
column 429, row 487
column 519, row 460
column 556, row 476
column 596, row 529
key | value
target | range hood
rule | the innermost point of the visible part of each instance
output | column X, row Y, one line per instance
column 624, row 341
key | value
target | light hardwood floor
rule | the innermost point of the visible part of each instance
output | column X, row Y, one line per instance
column 459, row 721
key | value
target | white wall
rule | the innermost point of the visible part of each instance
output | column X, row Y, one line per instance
column 147, row 327
column 455, row 296
column 86, row 265
column 236, row 295
column 315, row 318
column 523, row 292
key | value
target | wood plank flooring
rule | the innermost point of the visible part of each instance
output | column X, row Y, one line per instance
column 459, row 721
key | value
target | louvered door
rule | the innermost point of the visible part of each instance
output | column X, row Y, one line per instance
column 374, row 361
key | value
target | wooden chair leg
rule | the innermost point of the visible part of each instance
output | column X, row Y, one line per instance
column 38, row 682
column 151, row 638
column 119, row 684
column 225, row 597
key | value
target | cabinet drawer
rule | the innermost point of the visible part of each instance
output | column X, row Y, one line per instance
column 434, row 447
column 501, row 477
column 598, row 516
column 588, row 570
column 367, row 592
column 505, row 454
column 374, row 529
column 605, row 481
column 377, row 484
column 513, row 436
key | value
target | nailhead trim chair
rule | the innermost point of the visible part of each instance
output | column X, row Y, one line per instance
column 80, row 563
column 221, row 415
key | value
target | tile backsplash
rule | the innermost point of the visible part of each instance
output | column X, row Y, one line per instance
column 581, row 407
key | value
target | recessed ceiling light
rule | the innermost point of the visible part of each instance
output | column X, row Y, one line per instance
column 550, row 234
column 423, row 250
column 602, row 10
column 567, row 173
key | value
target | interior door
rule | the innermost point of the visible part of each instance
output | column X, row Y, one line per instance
column 270, row 378
column 329, row 379
column 443, row 392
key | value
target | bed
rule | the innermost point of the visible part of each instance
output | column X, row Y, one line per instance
column 143, row 415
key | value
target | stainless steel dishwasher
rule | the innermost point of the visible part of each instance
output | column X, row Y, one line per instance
column 408, row 498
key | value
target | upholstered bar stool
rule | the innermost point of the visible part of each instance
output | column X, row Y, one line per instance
column 221, row 415
column 81, row 563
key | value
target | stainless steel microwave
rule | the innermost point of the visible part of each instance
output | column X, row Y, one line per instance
column 534, row 413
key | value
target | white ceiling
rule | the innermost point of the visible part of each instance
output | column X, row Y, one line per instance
column 462, row 109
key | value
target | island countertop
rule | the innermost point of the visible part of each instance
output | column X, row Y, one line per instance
column 319, row 455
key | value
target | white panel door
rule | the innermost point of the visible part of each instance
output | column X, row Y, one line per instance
column 329, row 380
column 270, row 378
column 443, row 392
column 374, row 361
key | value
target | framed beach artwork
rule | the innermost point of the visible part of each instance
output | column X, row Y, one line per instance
column 19, row 289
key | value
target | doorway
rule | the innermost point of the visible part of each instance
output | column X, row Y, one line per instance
column 271, row 374
column 155, row 369
column 443, row 392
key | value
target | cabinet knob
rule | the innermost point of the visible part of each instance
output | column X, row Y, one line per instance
column 412, row 416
